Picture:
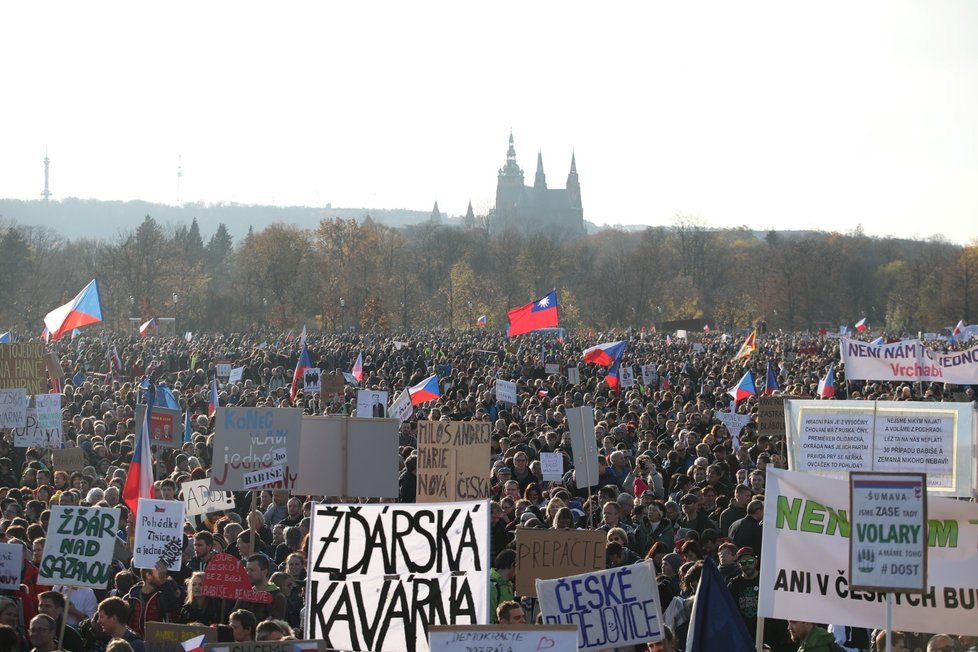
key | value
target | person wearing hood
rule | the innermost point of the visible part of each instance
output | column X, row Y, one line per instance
column 258, row 571
column 810, row 637
column 501, row 581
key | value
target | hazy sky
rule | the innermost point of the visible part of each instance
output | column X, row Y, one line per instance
column 767, row 114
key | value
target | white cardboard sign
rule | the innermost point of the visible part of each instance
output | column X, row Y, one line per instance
column 552, row 466
column 159, row 534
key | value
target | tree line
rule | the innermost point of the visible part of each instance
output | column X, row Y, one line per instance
column 346, row 274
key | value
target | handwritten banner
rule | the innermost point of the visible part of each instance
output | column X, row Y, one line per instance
column 159, row 534
column 79, row 546
column 226, row 578
column 13, row 408
column 245, row 439
column 198, row 498
column 549, row 554
column 908, row 360
column 11, row 565
column 23, row 365
column 169, row 637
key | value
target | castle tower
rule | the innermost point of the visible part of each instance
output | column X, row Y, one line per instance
column 540, row 182
column 574, row 184
column 509, row 184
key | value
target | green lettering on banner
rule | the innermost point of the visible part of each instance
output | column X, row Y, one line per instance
column 811, row 519
column 788, row 511
column 942, row 534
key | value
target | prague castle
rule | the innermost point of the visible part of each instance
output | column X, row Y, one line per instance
column 537, row 208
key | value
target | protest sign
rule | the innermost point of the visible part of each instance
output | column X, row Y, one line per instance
column 11, row 565
column 332, row 386
column 506, row 391
column 552, row 466
column 908, row 360
column 453, row 460
column 402, row 408
column 159, row 534
column 312, row 381
column 650, row 376
column 43, row 428
column 379, row 575
column 734, row 424
column 340, row 456
column 198, row 498
column 573, row 375
column 512, row 638
column 770, row 416
column 244, row 439
column 223, row 368
column 236, row 374
column 612, row 608
column 263, row 477
column 371, row 403
column 13, row 408
column 833, row 437
column 888, row 532
column 550, row 554
column 79, row 546
column 627, row 376
column 169, row 637
column 225, row 577
column 805, row 513
column 68, row 459
column 268, row 646
column 165, row 425
column 443, row 371
column 24, row 365
column 584, row 445
column 551, row 368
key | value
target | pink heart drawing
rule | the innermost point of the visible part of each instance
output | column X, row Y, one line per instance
column 545, row 643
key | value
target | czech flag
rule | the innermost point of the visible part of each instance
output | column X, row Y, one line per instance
column 826, row 386
column 146, row 326
column 879, row 341
column 706, row 328
column 5, row 338
column 607, row 355
column 668, row 340
column 139, row 476
column 771, row 382
column 187, row 430
column 861, row 325
column 215, row 401
column 357, row 371
column 539, row 314
column 300, row 369
column 195, row 644
column 744, row 388
column 748, row 347
column 482, row 321
column 426, row 390
column 85, row 309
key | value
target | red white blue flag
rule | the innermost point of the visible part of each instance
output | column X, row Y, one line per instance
column 85, row 309
column 139, row 477
column 826, row 386
column 300, row 369
column 357, row 371
column 426, row 390
column 744, row 388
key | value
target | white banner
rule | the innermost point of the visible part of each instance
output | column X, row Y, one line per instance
column 803, row 513
column 611, row 608
column 13, row 408
column 79, row 546
column 199, row 499
column 505, row 391
column 833, row 437
column 11, row 565
column 512, row 638
column 379, row 575
column 159, row 534
column 908, row 360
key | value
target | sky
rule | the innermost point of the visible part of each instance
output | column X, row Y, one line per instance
column 814, row 115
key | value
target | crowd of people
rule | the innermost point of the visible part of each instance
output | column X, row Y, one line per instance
column 674, row 487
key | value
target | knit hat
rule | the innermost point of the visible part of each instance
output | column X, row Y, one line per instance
column 674, row 560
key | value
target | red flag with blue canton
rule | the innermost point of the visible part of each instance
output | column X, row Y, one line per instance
column 139, row 476
column 771, row 382
column 300, row 369
column 744, row 388
column 85, row 309
column 426, row 390
column 539, row 314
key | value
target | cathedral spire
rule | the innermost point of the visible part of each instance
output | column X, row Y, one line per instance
column 470, row 214
column 573, row 163
column 511, row 169
column 540, row 182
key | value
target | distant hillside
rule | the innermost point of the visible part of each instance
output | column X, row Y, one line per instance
column 90, row 218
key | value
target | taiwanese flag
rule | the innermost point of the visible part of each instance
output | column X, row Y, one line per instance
column 744, row 388
column 214, row 400
column 426, row 390
column 826, row 386
column 357, row 371
column 83, row 310
column 861, row 325
column 539, row 314
column 771, row 382
column 139, row 476
column 300, row 369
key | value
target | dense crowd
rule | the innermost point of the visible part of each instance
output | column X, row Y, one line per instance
column 674, row 487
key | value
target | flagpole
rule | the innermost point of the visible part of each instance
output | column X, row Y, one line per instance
column 759, row 634
column 64, row 618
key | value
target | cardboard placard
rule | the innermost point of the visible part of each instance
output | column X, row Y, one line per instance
column 11, row 565
column 68, row 459
column 574, row 375
column 552, row 466
column 79, row 546
column 371, row 404
column 24, row 365
column 506, row 391
column 513, row 638
column 268, row 646
column 770, row 416
column 223, row 368
column 236, row 375
column 551, row 554
column 584, row 445
column 169, row 637
column 340, row 456
column 13, row 407
column 453, row 460
column 159, row 534
column 43, row 428
column 333, row 386
column 312, row 381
